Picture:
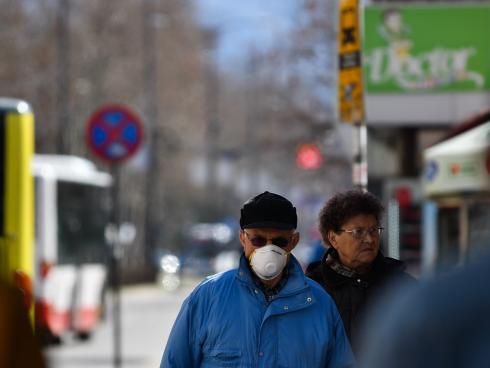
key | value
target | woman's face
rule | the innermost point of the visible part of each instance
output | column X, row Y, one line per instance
column 356, row 250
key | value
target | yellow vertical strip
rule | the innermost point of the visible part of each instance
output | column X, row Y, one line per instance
column 19, row 187
column 350, row 79
column 4, row 250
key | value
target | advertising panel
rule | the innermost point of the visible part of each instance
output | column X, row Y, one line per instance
column 422, row 48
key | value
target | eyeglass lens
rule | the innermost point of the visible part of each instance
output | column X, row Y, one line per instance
column 260, row 241
column 360, row 233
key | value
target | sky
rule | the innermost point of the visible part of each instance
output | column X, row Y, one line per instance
column 243, row 24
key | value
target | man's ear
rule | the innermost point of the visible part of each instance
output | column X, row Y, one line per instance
column 294, row 241
column 241, row 235
column 296, row 238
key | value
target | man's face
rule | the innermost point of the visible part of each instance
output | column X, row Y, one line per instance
column 356, row 252
column 250, row 236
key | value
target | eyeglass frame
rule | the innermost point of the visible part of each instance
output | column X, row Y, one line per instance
column 268, row 240
column 374, row 232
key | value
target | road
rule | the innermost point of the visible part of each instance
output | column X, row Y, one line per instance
column 147, row 314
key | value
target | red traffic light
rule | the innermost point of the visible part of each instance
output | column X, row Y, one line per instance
column 309, row 156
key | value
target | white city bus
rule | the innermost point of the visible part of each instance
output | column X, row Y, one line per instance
column 72, row 212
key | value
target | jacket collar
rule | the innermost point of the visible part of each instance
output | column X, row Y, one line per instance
column 295, row 283
column 333, row 270
column 331, row 259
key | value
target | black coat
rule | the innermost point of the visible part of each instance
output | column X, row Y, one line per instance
column 354, row 294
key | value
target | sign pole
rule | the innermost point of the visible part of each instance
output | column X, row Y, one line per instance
column 114, row 266
column 359, row 164
column 351, row 93
column 114, row 133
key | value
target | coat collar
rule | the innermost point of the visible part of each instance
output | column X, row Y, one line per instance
column 331, row 269
column 296, row 280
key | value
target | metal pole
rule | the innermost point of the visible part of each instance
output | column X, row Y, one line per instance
column 464, row 226
column 393, row 229
column 63, row 75
column 351, row 86
column 250, row 149
column 212, row 113
column 359, row 164
column 153, row 185
column 360, row 167
column 115, row 256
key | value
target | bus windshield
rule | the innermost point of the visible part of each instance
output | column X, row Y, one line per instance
column 83, row 214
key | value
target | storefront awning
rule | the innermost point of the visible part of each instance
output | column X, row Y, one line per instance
column 460, row 164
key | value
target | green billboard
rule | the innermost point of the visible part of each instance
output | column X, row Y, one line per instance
column 422, row 48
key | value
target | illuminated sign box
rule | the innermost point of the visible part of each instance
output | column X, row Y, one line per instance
column 437, row 48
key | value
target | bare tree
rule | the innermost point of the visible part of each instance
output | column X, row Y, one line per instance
column 70, row 57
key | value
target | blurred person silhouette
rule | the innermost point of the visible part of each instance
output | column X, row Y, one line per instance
column 18, row 347
column 440, row 323
column 353, row 270
column 265, row 313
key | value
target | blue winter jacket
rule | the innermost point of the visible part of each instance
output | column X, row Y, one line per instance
column 227, row 322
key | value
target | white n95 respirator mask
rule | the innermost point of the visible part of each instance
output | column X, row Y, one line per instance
column 268, row 261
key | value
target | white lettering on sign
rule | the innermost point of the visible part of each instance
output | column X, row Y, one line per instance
column 439, row 67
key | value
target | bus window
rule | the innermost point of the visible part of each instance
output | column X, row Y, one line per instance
column 83, row 213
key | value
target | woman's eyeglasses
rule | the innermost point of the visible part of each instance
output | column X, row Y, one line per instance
column 259, row 240
column 361, row 233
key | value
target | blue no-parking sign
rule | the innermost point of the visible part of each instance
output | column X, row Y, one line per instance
column 114, row 133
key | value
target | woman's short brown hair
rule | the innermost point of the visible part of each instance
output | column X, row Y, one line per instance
column 345, row 205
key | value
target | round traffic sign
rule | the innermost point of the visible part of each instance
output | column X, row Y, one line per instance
column 114, row 133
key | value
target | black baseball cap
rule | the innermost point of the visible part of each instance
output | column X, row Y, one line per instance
column 268, row 210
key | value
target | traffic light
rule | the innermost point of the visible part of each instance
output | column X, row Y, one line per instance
column 309, row 156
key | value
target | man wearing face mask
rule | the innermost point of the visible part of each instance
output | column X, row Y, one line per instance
column 266, row 313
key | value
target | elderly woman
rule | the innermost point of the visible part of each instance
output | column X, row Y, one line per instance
column 353, row 270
